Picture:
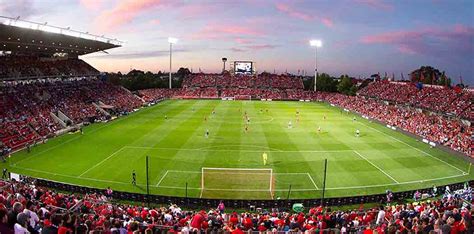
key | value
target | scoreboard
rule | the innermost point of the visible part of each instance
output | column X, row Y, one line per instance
column 243, row 67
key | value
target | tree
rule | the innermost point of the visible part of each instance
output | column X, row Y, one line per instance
column 326, row 83
column 426, row 75
column 183, row 72
column 345, row 86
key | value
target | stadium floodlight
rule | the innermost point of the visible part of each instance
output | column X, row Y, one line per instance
column 316, row 44
column 172, row 41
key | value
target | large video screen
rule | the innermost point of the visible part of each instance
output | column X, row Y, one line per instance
column 243, row 67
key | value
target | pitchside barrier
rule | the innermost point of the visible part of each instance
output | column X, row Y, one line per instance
column 198, row 203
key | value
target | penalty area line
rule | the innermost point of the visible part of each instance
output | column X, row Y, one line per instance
column 105, row 159
column 162, row 178
column 312, row 181
column 417, row 149
column 380, row 169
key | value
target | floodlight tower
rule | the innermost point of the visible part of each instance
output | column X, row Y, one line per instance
column 224, row 60
column 172, row 41
column 316, row 44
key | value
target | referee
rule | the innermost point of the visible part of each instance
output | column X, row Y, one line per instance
column 134, row 178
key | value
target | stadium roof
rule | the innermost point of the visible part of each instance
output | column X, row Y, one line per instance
column 25, row 36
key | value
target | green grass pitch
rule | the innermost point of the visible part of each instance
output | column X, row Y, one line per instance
column 107, row 153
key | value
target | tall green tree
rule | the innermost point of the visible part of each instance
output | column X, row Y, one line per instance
column 345, row 86
column 326, row 83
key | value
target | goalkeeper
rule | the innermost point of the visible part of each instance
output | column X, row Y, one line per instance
column 264, row 158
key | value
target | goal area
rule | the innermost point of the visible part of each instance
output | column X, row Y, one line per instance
column 220, row 182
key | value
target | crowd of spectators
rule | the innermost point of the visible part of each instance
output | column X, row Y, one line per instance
column 34, row 66
column 27, row 108
column 263, row 81
column 449, row 132
column 439, row 99
column 26, row 208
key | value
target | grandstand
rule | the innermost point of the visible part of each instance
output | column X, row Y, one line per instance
column 70, row 140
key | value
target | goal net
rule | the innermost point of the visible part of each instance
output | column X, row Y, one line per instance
column 248, row 183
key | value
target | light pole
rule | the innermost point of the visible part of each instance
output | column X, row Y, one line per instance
column 224, row 60
column 172, row 41
column 315, row 44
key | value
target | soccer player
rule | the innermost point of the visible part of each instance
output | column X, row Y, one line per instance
column 353, row 119
column 264, row 158
column 166, row 116
column 5, row 173
column 248, row 120
column 289, row 124
column 207, row 133
column 205, row 119
column 246, row 128
column 82, row 131
column 319, row 129
column 134, row 178
column 357, row 133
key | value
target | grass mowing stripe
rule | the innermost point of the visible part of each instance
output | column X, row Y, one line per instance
column 98, row 164
column 416, row 148
column 389, row 176
column 177, row 144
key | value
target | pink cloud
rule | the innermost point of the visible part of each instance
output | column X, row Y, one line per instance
column 292, row 12
column 155, row 21
column 285, row 8
column 254, row 47
column 428, row 40
column 215, row 31
column 123, row 13
column 261, row 47
column 242, row 41
column 377, row 4
column 233, row 49
column 92, row 4
column 328, row 22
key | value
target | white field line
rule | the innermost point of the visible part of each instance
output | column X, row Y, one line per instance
column 194, row 188
column 311, row 178
column 162, row 178
column 394, row 184
column 236, row 169
column 426, row 153
column 275, row 173
column 105, row 159
column 238, row 150
column 72, row 139
column 380, row 169
column 238, row 145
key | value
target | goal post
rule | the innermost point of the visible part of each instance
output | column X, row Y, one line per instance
column 259, row 182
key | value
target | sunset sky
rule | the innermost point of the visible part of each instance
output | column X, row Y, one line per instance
column 360, row 37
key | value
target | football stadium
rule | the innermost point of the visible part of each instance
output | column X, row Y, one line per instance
column 86, row 149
